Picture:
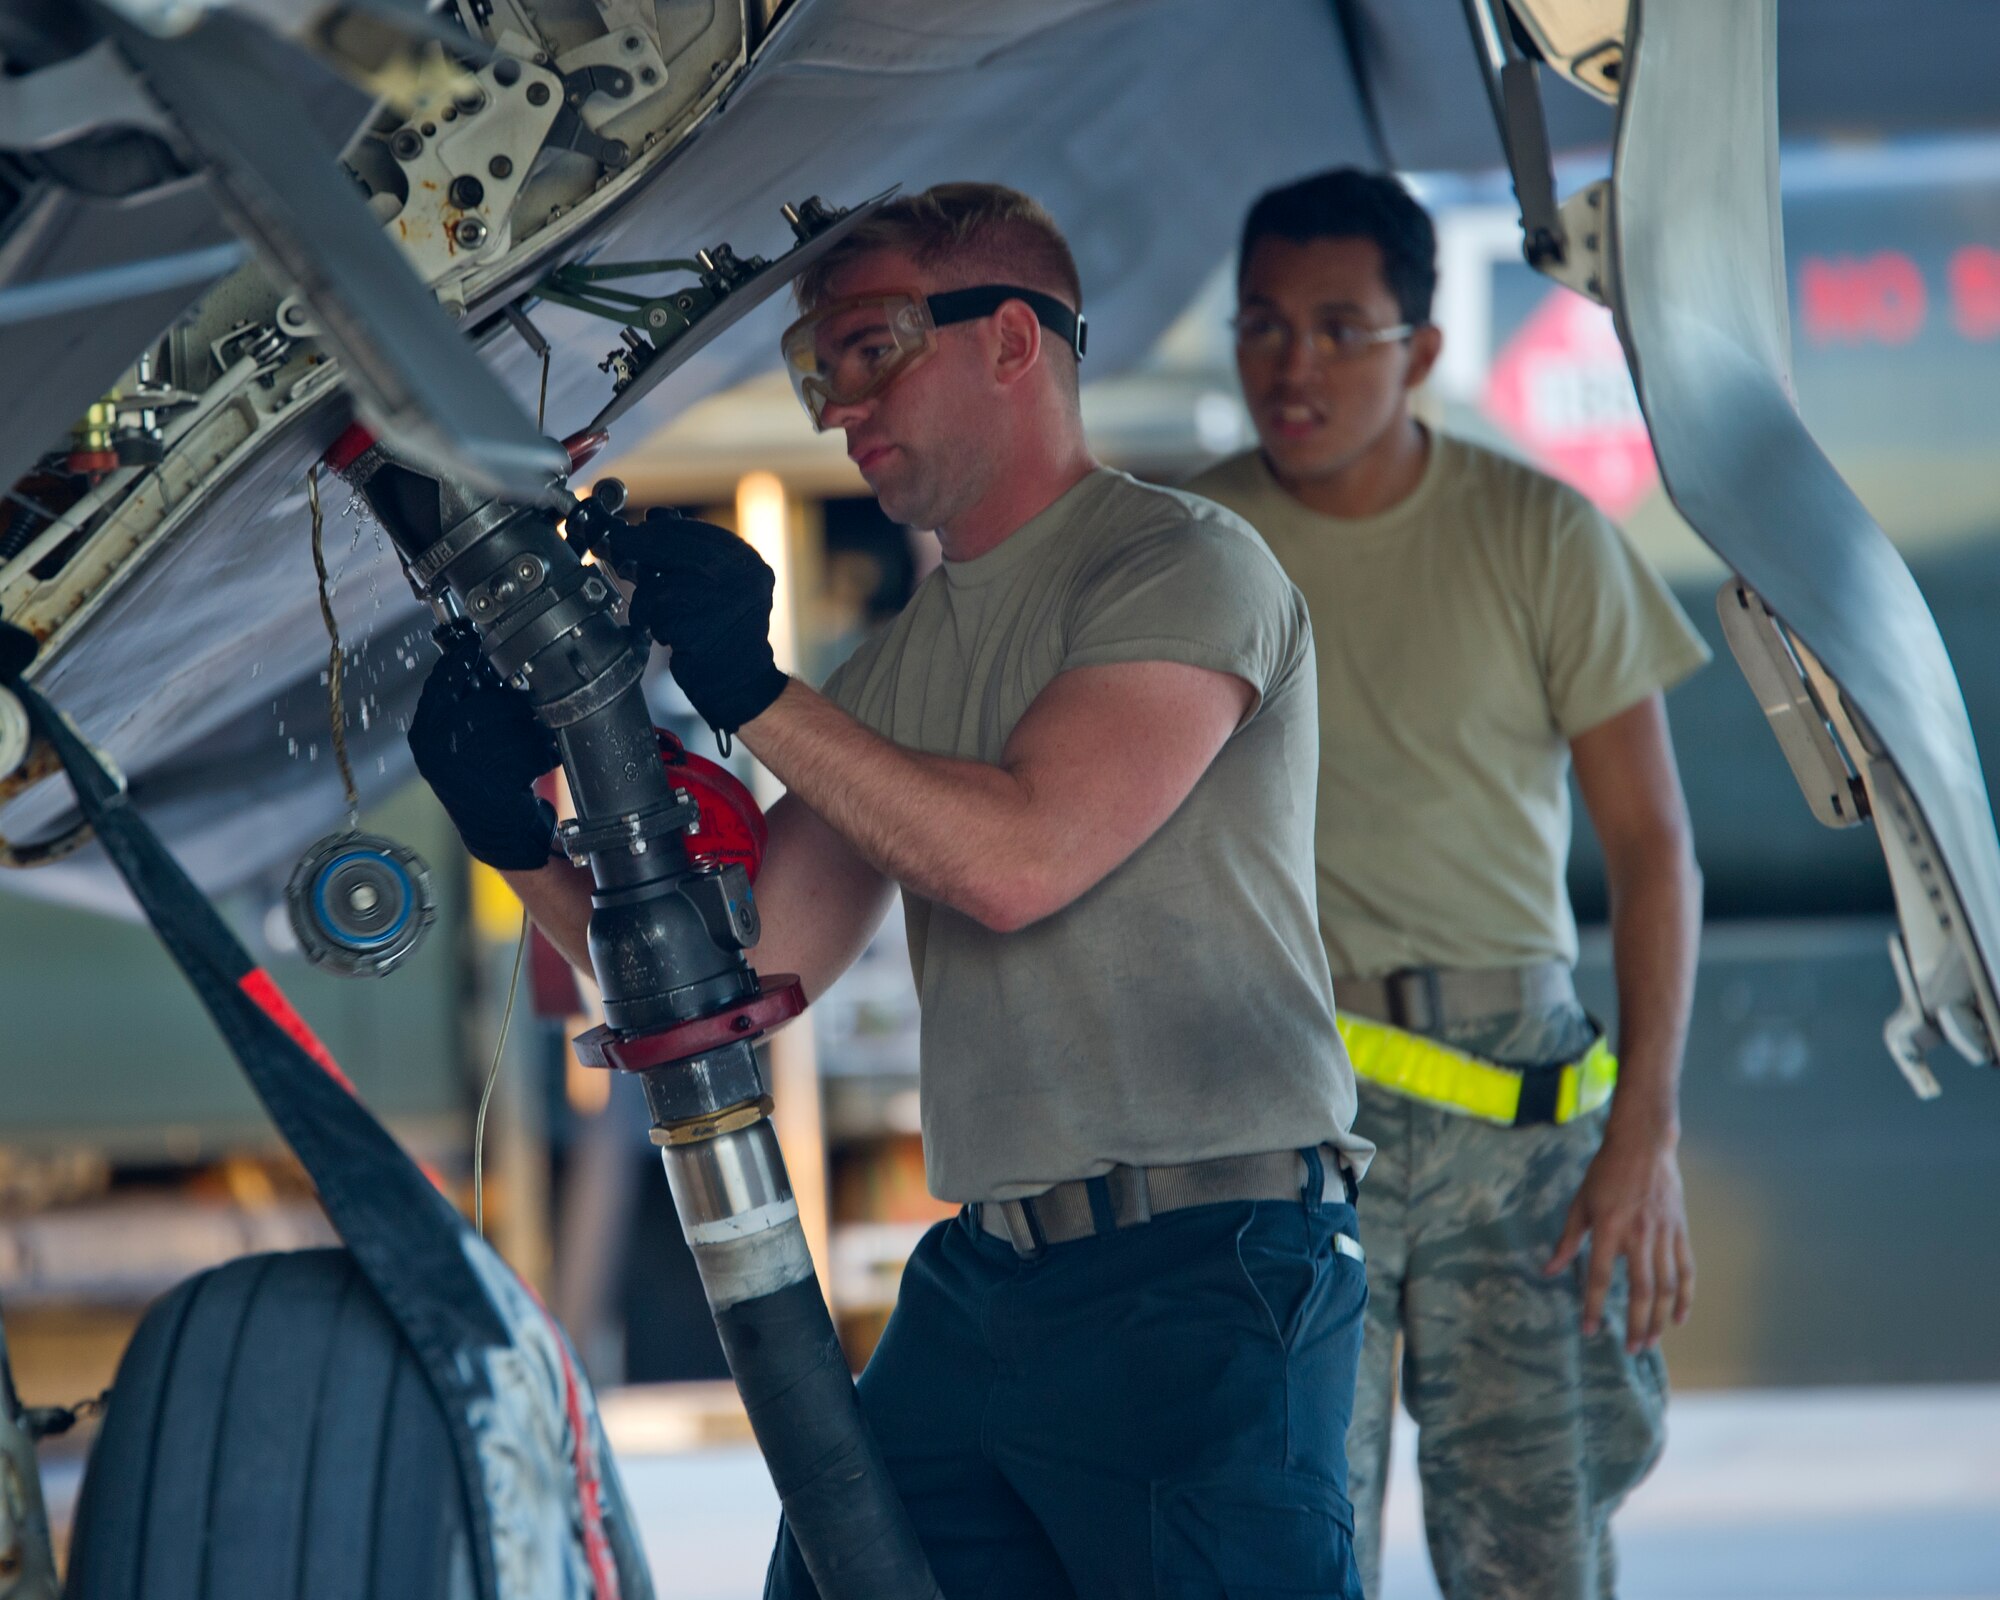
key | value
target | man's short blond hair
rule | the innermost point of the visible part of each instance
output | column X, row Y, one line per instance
column 965, row 233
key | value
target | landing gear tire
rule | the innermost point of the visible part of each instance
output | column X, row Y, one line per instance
column 270, row 1434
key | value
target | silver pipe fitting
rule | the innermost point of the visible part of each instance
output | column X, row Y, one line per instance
column 738, row 1213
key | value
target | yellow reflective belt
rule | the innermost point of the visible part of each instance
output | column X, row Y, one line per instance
column 1439, row 1075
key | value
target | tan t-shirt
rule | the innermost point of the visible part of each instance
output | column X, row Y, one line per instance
column 1464, row 637
column 1180, row 1009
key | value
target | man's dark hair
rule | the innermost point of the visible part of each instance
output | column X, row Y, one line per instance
column 1348, row 203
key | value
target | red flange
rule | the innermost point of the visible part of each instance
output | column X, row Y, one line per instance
column 784, row 997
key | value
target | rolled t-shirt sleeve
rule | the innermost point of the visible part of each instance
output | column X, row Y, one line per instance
column 1612, row 632
column 849, row 684
column 1204, row 593
column 839, row 686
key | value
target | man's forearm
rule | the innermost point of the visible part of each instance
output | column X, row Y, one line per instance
column 1655, row 934
column 558, row 899
column 934, row 824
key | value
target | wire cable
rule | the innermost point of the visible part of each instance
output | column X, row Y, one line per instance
column 492, row 1078
column 520, row 944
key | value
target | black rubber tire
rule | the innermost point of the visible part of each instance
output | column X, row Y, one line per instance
column 271, row 1435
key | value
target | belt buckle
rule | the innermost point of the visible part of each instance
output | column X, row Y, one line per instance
column 1396, row 990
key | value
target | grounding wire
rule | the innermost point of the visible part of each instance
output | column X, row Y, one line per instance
column 513, row 982
column 492, row 1078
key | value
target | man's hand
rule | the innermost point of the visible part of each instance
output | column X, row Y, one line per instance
column 1631, row 1205
column 706, row 595
column 480, row 747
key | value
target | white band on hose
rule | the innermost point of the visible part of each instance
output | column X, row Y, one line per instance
column 754, row 1265
column 760, row 1219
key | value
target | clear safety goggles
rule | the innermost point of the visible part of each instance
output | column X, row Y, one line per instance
column 851, row 350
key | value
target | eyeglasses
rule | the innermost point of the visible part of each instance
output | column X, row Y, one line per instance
column 853, row 349
column 1262, row 333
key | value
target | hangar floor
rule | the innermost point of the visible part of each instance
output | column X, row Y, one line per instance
column 1852, row 1494
column 1820, row 1494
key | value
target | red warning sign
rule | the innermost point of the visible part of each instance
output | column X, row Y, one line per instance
column 1561, row 391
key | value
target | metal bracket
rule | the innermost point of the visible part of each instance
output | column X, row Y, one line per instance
column 1566, row 241
column 666, row 315
column 624, row 65
column 663, row 318
column 1845, row 781
column 1943, row 982
column 523, row 577
column 1764, row 654
column 1585, row 219
column 1946, row 997
column 1908, row 1032
column 1514, row 92
column 465, row 164
column 730, row 288
column 571, row 132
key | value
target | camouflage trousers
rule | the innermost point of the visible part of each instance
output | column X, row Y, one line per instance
column 1529, row 1434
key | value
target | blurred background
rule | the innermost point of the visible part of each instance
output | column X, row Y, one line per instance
column 1838, row 1426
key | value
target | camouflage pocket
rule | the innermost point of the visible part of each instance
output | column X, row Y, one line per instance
column 1253, row 1533
column 1624, row 1407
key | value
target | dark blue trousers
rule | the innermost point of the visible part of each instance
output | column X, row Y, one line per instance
column 1157, row 1412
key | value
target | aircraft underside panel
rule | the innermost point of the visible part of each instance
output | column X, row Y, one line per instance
column 1142, row 124
column 1828, row 616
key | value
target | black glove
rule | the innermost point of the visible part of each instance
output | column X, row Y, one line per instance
column 480, row 748
column 706, row 595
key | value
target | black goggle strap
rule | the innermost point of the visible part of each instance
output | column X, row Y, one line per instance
column 969, row 305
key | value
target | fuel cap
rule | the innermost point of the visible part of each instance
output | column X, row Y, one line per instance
column 360, row 903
